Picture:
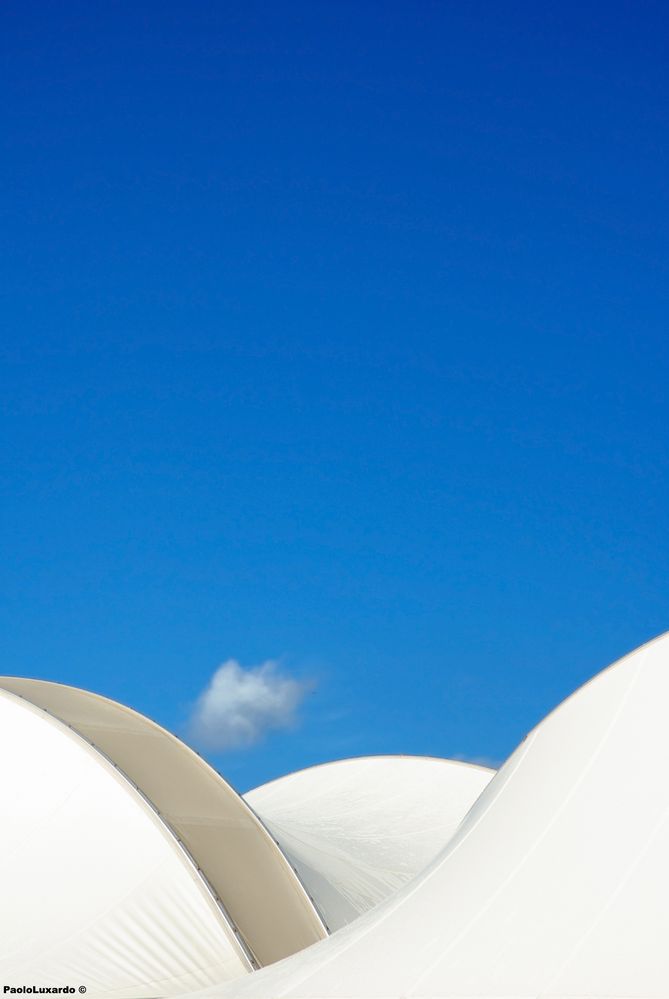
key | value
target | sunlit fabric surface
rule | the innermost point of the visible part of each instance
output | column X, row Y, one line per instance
column 357, row 830
column 555, row 885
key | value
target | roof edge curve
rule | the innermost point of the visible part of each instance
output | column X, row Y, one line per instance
column 156, row 817
column 238, row 861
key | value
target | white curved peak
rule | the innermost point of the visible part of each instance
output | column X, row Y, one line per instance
column 96, row 892
column 257, row 891
column 357, row 830
column 555, row 885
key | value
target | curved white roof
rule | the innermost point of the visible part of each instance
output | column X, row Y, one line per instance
column 555, row 884
column 131, row 866
column 357, row 830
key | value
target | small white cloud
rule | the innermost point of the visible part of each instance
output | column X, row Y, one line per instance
column 240, row 706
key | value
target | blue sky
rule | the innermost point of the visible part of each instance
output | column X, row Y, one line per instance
column 334, row 335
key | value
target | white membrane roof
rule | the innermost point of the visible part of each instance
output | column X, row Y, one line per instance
column 556, row 884
column 357, row 830
column 129, row 862
column 95, row 891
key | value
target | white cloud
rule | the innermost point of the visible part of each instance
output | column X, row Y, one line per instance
column 240, row 706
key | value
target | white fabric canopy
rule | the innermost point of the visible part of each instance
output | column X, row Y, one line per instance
column 95, row 891
column 357, row 830
column 127, row 863
column 556, row 884
column 253, row 883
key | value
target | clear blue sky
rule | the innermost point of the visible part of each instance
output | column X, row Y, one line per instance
column 335, row 333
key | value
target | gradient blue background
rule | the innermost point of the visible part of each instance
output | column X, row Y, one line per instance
column 335, row 332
